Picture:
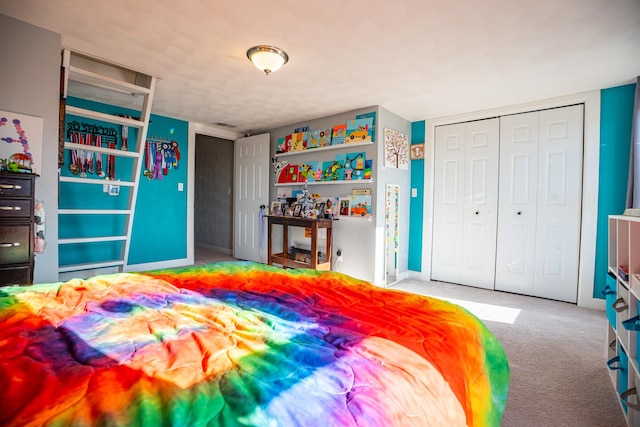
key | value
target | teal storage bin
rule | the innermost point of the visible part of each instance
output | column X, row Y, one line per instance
column 623, row 376
column 610, row 295
column 620, row 363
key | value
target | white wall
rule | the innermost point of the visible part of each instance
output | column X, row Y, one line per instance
column 401, row 178
column 30, row 85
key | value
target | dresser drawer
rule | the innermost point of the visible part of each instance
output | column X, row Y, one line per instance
column 15, row 208
column 15, row 243
column 15, row 276
column 15, row 186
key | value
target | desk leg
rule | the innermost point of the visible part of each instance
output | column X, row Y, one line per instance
column 269, row 245
column 314, row 245
column 285, row 244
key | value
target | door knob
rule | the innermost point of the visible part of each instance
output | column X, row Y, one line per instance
column 477, row 212
column 519, row 212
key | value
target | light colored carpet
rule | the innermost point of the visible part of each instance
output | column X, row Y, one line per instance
column 556, row 353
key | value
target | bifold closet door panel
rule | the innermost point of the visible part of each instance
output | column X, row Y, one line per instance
column 465, row 203
column 480, row 205
column 540, row 203
column 449, row 152
column 559, row 203
column 517, row 212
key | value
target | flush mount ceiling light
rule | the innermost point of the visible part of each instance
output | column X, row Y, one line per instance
column 267, row 58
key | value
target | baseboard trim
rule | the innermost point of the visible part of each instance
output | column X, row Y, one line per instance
column 215, row 248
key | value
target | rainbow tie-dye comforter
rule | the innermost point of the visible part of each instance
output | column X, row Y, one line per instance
column 243, row 344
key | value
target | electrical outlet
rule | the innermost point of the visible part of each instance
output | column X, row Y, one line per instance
column 339, row 256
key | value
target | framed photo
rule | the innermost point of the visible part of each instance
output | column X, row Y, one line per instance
column 276, row 208
column 344, row 206
column 331, row 207
column 319, row 208
column 417, row 151
column 296, row 209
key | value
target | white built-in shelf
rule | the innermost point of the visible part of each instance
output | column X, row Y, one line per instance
column 624, row 250
column 90, row 266
column 91, row 240
column 344, row 181
column 94, row 212
column 100, row 81
column 103, row 150
column 319, row 149
column 95, row 181
column 110, row 118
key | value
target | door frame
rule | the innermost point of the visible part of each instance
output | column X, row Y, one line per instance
column 197, row 128
column 589, row 208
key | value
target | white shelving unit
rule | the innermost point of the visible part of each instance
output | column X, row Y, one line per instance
column 622, row 294
column 342, row 181
column 307, row 152
column 112, row 84
column 320, row 149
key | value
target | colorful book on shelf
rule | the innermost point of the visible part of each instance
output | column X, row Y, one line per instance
column 281, row 145
column 299, row 141
column 332, row 171
column 354, row 165
column 325, row 138
column 368, row 164
column 287, row 143
column 314, row 139
column 371, row 115
column 288, row 174
column 360, row 206
column 338, row 134
column 307, row 171
column 359, row 130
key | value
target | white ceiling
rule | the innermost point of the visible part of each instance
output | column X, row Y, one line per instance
column 420, row 59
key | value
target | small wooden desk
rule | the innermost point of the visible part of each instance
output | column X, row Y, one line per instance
column 283, row 258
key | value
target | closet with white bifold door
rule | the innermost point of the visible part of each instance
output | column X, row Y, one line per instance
column 465, row 203
column 537, row 167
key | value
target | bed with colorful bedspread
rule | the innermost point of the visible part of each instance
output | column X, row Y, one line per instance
column 243, row 344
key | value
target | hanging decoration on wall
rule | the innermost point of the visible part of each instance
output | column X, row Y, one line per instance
column 20, row 142
column 417, row 151
column 84, row 162
column 396, row 149
column 160, row 156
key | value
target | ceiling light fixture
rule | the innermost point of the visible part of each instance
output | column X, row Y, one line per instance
column 267, row 58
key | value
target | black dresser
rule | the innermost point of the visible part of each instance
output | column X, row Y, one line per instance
column 16, row 228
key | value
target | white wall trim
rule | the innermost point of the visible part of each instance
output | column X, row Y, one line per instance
column 194, row 129
column 591, row 161
column 172, row 263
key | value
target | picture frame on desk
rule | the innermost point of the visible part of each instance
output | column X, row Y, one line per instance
column 276, row 208
column 344, row 206
column 297, row 209
column 319, row 208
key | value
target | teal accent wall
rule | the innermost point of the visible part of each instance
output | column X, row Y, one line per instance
column 616, row 112
column 417, row 203
column 160, row 225
column 160, row 221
